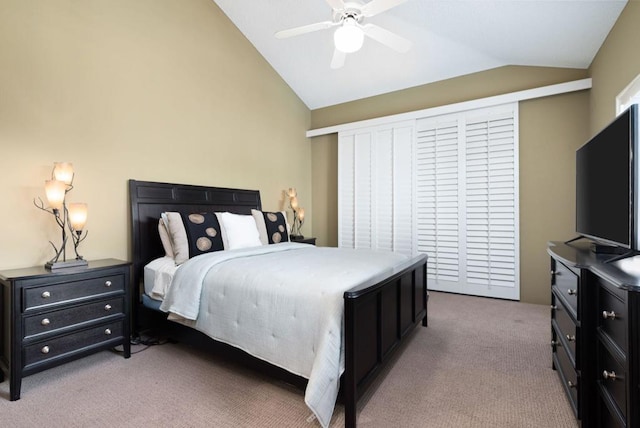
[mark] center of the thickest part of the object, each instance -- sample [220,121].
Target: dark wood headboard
[149,199]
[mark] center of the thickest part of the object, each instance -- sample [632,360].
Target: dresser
[595,327]
[50,318]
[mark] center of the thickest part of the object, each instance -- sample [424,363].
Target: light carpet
[480,363]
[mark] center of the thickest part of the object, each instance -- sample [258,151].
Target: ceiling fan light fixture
[349,37]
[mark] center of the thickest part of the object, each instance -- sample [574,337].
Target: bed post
[349,381]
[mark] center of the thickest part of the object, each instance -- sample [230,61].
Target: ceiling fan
[349,36]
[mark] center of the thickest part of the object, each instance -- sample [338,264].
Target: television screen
[605,181]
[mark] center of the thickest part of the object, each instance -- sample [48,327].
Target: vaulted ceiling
[449,38]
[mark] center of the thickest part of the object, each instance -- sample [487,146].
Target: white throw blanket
[282,303]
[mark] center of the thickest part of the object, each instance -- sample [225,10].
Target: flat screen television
[607,184]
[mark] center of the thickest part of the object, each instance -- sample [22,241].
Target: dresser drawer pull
[107,331]
[608,315]
[571,384]
[107,283]
[107,307]
[45,321]
[45,294]
[45,350]
[553,272]
[609,375]
[555,343]
[554,307]
[572,292]
[571,338]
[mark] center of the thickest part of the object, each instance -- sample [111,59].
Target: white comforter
[282,303]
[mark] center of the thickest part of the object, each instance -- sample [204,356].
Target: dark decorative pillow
[272,226]
[203,233]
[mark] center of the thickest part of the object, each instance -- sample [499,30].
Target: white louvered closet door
[375,181]
[467,201]
[492,238]
[438,193]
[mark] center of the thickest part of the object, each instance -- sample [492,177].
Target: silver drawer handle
[45,321]
[609,375]
[608,315]
[554,307]
[555,343]
[45,294]
[571,338]
[553,272]
[107,283]
[571,384]
[572,292]
[45,350]
[107,331]
[107,307]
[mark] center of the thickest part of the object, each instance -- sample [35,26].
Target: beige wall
[615,66]
[550,130]
[163,90]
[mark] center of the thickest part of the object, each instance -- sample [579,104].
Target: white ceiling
[450,38]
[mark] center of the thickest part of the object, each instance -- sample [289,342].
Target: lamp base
[66,265]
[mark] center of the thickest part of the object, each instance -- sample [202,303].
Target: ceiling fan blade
[283,34]
[387,38]
[336,4]
[338,59]
[378,6]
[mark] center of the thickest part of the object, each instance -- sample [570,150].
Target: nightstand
[50,318]
[311,241]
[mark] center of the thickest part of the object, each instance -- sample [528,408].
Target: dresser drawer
[606,419]
[611,378]
[56,321]
[567,285]
[611,314]
[72,343]
[567,373]
[37,297]
[566,328]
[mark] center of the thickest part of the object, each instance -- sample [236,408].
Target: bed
[378,312]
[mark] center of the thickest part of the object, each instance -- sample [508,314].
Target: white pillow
[240,231]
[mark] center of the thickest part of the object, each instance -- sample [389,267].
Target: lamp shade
[63,171]
[348,37]
[77,215]
[301,214]
[294,203]
[55,191]
[292,192]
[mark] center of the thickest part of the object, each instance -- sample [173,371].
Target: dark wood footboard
[378,316]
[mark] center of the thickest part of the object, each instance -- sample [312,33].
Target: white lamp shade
[63,171]
[77,215]
[55,191]
[301,214]
[348,37]
[294,203]
[292,192]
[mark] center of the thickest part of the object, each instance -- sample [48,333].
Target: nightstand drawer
[55,321]
[38,297]
[567,285]
[72,343]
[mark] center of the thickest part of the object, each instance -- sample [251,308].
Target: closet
[446,186]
